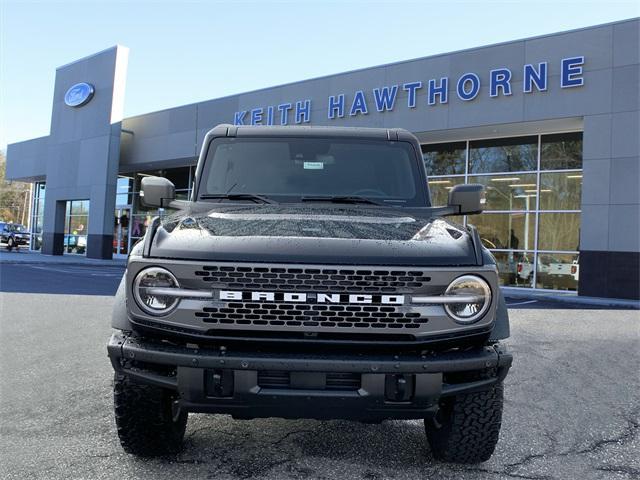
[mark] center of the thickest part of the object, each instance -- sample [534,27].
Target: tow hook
[175,410]
[399,387]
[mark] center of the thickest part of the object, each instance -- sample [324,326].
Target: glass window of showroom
[139,217]
[533,187]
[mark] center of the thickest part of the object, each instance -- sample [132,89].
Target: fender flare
[119,317]
[501,329]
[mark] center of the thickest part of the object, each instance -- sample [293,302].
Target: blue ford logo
[79,94]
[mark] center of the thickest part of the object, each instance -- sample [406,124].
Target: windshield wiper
[342,199]
[237,196]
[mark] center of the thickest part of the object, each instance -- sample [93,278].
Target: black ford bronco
[309,276]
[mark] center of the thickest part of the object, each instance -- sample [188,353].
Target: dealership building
[549,125]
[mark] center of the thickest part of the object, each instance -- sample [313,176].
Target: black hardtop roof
[393,134]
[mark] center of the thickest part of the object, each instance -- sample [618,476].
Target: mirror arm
[446,211]
[178,204]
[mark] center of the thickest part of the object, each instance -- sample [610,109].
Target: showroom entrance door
[121,231]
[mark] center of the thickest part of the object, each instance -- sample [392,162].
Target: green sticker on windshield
[313,165]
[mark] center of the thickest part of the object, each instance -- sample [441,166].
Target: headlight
[473,287]
[152,303]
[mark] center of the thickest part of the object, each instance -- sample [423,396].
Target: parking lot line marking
[76,271]
[522,303]
[49,269]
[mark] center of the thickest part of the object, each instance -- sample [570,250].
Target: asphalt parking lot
[60,279]
[572,407]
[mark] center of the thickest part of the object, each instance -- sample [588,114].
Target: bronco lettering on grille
[296,297]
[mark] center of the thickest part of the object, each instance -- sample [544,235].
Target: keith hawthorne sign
[535,78]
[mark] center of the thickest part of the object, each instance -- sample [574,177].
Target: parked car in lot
[13,235]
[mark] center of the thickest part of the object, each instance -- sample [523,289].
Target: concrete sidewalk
[29,257]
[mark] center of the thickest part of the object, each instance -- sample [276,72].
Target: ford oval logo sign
[79,94]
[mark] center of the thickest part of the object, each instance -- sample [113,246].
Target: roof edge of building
[386,65]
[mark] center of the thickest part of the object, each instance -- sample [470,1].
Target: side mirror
[157,192]
[466,199]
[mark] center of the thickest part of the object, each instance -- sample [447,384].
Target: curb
[571,298]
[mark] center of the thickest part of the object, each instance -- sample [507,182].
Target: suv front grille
[311,316]
[242,313]
[294,279]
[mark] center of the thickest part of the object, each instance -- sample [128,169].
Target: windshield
[291,169]
[16,228]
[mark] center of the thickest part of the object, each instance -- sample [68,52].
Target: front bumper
[232,382]
[20,241]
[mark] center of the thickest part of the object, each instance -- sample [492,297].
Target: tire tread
[144,419]
[471,431]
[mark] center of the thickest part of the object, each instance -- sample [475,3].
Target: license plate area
[333,381]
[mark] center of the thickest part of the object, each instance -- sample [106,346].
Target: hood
[321,234]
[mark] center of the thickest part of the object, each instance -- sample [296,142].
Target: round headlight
[476,303]
[152,303]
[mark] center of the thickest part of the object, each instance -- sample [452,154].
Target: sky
[188,51]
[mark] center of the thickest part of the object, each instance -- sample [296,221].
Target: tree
[14,197]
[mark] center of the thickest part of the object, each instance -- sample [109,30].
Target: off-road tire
[144,418]
[467,427]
